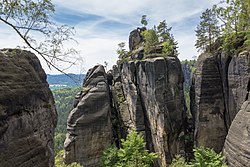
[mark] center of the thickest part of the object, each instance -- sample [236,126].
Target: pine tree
[164,35]
[121,51]
[235,16]
[207,31]
[151,40]
[132,153]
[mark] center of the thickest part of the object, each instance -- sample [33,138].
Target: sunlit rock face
[207,104]
[27,111]
[220,85]
[151,101]
[237,147]
[89,126]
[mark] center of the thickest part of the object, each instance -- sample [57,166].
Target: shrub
[59,162]
[203,157]
[132,153]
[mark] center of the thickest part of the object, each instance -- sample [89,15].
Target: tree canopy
[132,153]
[207,31]
[234,19]
[30,18]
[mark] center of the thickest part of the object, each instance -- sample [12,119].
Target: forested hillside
[64,99]
[62,80]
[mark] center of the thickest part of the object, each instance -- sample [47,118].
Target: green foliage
[207,31]
[121,51]
[189,62]
[59,162]
[203,157]
[165,37]
[207,158]
[132,153]
[144,20]
[247,40]
[179,161]
[29,17]
[168,49]
[64,101]
[151,40]
[110,157]
[163,31]
[235,16]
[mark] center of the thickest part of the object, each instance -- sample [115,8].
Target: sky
[101,24]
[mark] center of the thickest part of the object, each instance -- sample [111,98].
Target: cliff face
[207,104]
[88,124]
[153,103]
[220,86]
[237,147]
[187,73]
[27,112]
[145,95]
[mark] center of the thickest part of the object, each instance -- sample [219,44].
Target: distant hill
[62,80]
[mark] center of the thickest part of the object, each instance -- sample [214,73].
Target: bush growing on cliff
[233,16]
[151,40]
[132,153]
[59,162]
[203,157]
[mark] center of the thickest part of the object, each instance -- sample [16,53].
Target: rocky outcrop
[152,102]
[89,126]
[187,73]
[207,104]
[135,38]
[237,147]
[27,112]
[220,86]
[238,83]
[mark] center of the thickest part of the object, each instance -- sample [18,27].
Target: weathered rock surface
[135,38]
[27,112]
[89,126]
[220,86]
[237,144]
[187,73]
[152,102]
[238,82]
[207,104]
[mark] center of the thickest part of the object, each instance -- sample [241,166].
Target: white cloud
[98,43]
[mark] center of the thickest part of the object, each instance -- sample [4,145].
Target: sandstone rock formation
[88,126]
[220,86]
[237,147]
[152,102]
[27,112]
[238,83]
[207,104]
[187,73]
[135,38]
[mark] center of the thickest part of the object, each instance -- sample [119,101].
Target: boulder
[27,111]
[237,146]
[88,125]
[135,38]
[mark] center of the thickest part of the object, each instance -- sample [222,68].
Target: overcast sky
[102,24]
